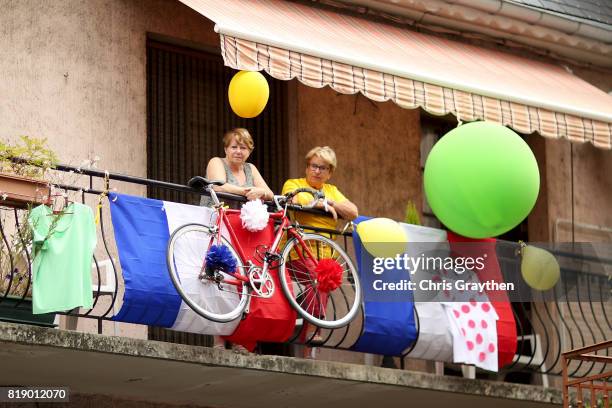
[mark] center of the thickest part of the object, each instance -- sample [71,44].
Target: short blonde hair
[242,136]
[325,153]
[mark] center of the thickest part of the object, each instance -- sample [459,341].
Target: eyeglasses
[315,167]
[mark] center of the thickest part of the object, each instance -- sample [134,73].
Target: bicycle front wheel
[316,303]
[186,258]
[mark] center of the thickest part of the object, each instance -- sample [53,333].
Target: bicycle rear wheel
[329,309]
[186,259]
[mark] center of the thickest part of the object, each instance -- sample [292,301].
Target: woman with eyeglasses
[320,165]
[240,177]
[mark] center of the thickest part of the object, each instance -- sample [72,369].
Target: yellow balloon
[248,93]
[539,268]
[382,237]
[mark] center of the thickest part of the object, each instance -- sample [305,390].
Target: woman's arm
[261,189]
[345,209]
[216,171]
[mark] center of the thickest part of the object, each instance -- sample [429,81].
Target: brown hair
[242,136]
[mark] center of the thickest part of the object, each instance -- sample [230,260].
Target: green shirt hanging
[63,251]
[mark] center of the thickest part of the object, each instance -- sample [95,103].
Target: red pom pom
[329,275]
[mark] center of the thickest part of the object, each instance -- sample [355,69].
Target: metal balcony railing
[544,328]
[595,387]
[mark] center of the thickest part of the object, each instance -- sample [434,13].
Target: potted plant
[22,186]
[15,282]
[22,181]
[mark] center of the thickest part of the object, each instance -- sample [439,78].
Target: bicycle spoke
[313,299]
[326,310]
[211,298]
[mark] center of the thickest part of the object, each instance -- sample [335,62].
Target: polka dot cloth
[474,331]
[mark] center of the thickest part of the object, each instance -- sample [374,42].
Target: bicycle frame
[285,225]
[301,252]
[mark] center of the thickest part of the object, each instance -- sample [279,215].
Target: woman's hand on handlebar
[318,202]
[290,196]
[326,206]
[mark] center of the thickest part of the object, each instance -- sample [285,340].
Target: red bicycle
[317,276]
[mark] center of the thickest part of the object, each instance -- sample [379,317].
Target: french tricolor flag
[142,228]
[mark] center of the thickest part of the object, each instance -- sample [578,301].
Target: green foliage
[35,151]
[412,214]
[16,247]
[599,403]
[14,268]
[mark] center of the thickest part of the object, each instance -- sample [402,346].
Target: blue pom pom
[220,258]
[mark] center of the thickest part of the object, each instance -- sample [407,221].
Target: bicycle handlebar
[315,193]
[278,199]
[203,184]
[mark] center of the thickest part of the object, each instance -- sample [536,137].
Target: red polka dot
[486,307]
[473,302]
[436,279]
[446,293]
[456,312]
[479,338]
[482,356]
[472,324]
[463,331]
[484,324]
[491,347]
[470,345]
[465,309]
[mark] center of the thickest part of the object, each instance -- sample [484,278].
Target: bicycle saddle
[200,183]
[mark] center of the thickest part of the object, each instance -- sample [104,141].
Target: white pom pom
[254,215]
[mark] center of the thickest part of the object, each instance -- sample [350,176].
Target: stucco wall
[377,145]
[74,73]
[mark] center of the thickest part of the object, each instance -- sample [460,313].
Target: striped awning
[320,47]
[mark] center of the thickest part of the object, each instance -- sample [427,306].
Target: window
[188,113]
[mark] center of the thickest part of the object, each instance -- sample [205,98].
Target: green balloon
[481,180]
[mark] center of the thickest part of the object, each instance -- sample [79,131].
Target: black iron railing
[544,328]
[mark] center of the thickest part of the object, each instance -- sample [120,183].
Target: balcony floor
[169,373]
